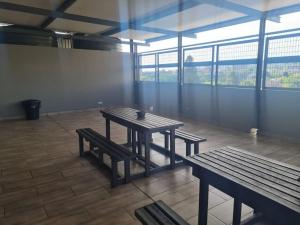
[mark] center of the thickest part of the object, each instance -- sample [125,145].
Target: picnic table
[270,187]
[142,130]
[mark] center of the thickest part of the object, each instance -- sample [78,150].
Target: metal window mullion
[265,63]
[156,67]
[259,69]
[183,66]
[217,65]
[212,66]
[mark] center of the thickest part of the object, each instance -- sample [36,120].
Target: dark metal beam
[45,12]
[106,39]
[160,31]
[62,8]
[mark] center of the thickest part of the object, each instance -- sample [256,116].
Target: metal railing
[230,62]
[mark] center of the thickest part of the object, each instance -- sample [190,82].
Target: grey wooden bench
[187,137]
[158,213]
[99,146]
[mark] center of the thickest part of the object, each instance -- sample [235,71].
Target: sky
[288,21]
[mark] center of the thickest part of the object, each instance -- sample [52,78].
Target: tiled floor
[43,180]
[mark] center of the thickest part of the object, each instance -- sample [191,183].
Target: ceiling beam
[62,8]
[161,31]
[59,13]
[213,26]
[232,6]
[45,12]
[106,39]
[158,14]
[283,10]
[271,13]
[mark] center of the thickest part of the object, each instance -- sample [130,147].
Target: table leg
[172,148]
[129,136]
[188,148]
[107,122]
[81,147]
[140,137]
[196,148]
[134,141]
[203,202]
[166,141]
[147,153]
[237,209]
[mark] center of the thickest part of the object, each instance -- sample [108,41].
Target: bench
[99,146]
[158,213]
[187,137]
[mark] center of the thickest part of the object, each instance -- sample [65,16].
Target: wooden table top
[270,178]
[150,122]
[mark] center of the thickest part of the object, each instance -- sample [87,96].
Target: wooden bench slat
[240,161]
[119,147]
[120,153]
[259,164]
[171,213]
[256,175]
[285,165]
[231,173]
[100,144]
[159,213]
[246,184]
[263,160]
[145,217]
[186,136]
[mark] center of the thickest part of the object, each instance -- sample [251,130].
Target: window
[237,75]
[147,60]
[147,74]
[283,62]
[198,65]
[168,74]
[237,64]
[168,66]
[147,67]
[197,74]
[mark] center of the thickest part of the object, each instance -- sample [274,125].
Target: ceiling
[128,18]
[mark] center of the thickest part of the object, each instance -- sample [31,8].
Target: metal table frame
[143,134]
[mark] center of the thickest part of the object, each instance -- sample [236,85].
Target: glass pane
[147,60]
[147,74]
[168,74]
[283,75]
[237,75]
[284,47]
[238,51]
[169,57]
[198,55]
[197,75]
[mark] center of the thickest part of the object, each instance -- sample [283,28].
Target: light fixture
[5,24]
[62,33]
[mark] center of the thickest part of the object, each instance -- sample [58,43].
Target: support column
[134,58]
[259,70]
[180,74]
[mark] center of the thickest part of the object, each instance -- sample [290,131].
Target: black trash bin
[32,109]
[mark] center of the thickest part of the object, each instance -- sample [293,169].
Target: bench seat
[189,139]
[158,213]
[99,145]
